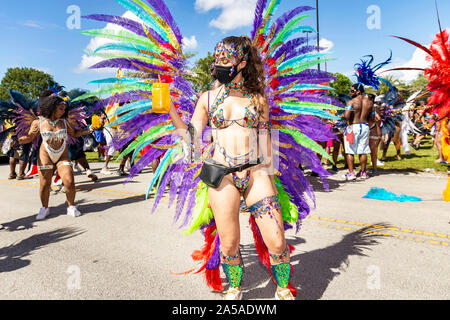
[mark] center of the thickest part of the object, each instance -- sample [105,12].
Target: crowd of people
[218,146]
[361,131]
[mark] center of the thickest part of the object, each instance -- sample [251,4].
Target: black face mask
[224,74]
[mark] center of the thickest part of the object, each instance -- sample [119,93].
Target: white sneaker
[285,294]
[73,211]
[106,171]
[380,163]
[233,294]
[43,213]
[128,166]
[77,168]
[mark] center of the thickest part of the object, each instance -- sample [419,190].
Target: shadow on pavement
[313,271]
[12,256]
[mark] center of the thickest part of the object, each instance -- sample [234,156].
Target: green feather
[305,65]
[110,89]
[315,105]
[120,36]
[289,210]
[305,141]
[290,25]
[202,215]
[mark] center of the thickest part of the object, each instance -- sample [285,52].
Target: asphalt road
[348,248]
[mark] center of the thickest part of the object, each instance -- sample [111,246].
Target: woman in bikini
[374,134]
[54,128]
[238,113]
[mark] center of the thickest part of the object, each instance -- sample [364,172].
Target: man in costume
[357,133]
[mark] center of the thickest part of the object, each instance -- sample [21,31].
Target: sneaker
[350,176]
[106,171]
[285,294]
[43,213]
[32,172]
[364,175]
[334,169]
[380,163]
[121,172]
[128,166]
[233,294]
[55,188]
[373,172]
[77,168]
[73,211]
[91,176]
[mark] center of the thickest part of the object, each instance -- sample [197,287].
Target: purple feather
[214,261]
[161,9]
[286,17]
[260,6]
[125,63]
[125,23]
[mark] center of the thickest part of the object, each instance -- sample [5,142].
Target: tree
[200,77]
[30,82]
[341,85]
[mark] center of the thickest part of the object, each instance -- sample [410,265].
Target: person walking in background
[357,133]
[374,133]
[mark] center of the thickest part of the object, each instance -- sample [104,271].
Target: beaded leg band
[265,206]
[232,271]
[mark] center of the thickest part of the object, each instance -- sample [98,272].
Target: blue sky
[34,33]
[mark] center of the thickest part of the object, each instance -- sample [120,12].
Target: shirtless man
[357,133]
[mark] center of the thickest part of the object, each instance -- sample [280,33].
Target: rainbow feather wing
[298,103]
[151,48]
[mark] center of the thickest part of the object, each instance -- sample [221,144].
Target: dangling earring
[231,71]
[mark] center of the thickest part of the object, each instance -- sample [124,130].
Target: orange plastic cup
[161,98]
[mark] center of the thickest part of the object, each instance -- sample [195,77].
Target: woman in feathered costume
[268,98]
[54,125]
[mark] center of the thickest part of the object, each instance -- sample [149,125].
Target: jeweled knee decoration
[280,257]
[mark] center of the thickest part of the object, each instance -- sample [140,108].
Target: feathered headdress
[366,73]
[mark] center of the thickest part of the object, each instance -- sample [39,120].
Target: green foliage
[406,90]
[30,82]
[200,77]
[341,85]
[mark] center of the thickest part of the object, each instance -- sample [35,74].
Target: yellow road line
[403,230]
[395,236]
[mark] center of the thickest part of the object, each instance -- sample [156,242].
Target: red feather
[418,45]
[438,74]
[213,279]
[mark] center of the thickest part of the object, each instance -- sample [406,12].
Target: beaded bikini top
[216,116]
[54,137]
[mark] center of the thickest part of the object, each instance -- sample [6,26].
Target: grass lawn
[419,160]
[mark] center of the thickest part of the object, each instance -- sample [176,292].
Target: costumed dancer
[16,153]
[55,125]
[76,149]
[261,98]
[438,76]
[367,75]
